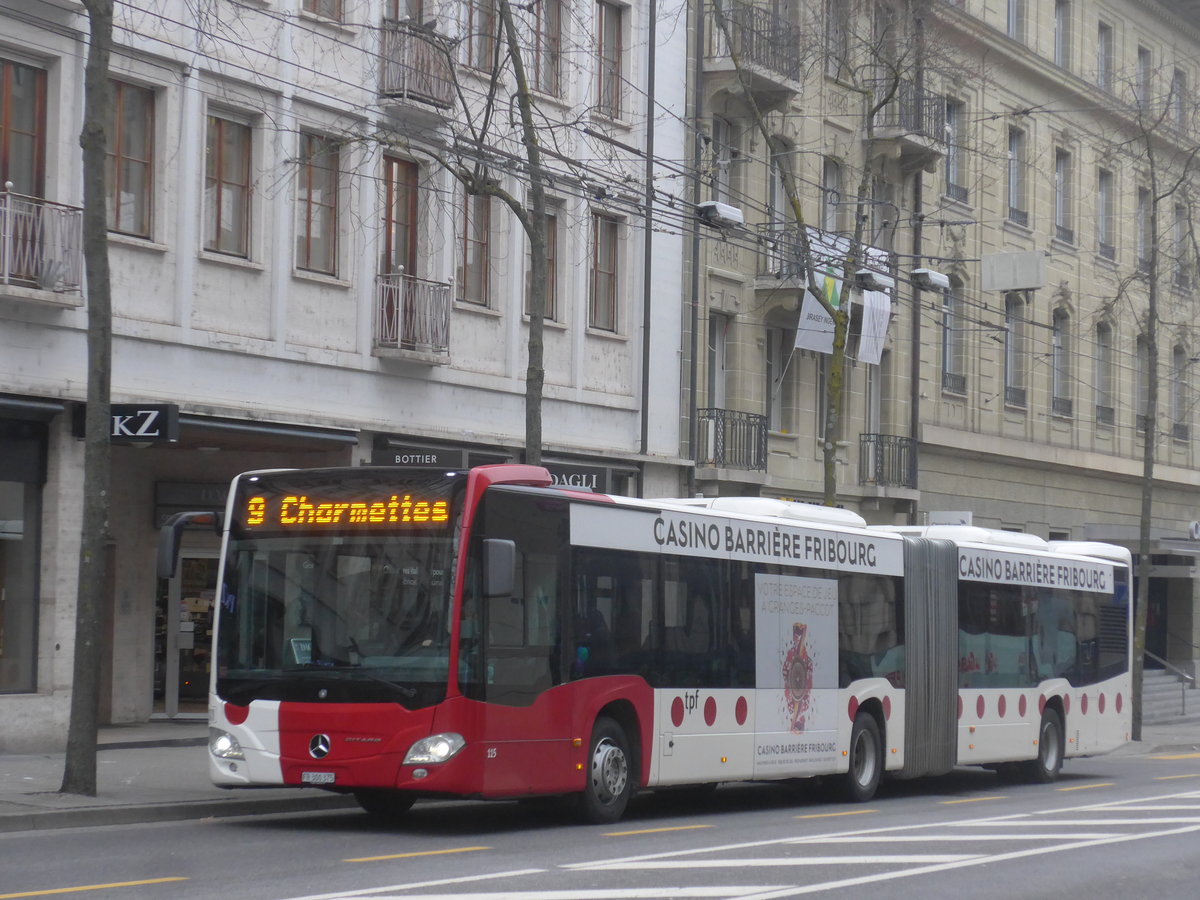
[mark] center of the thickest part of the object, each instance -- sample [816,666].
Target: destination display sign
[342,504]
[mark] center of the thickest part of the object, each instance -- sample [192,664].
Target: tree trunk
[79,774]
[535,228]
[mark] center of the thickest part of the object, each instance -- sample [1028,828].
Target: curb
[46,820]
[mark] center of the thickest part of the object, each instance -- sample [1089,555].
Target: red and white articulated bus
[400,634]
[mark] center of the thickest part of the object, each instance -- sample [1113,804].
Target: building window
[1145,74]
[316,205]
[609,89]
[954,345]
[602,299]
[475,252]
[547,46]
[481,34]
[1143,228]
[129,162]
[22,128]
[1062,33]
[1064,228]
[725,154]
[718,335]
[1177,103]
[831,194]
[778,403]
[399,216]
[1014,350]
[227,187]
[22,471]
[329,9]
[1105,231]
[1015,20]
[1180,393]
[1105,409]
[837,38]
[1179,239]
[1143,382]
[1016,177]
[1060,364]
[551,233]
[1104,56]
[955,176]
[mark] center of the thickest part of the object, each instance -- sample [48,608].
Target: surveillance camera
[720,215]
[930,280]
[873,281]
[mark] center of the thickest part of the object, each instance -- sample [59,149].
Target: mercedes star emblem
[318,747]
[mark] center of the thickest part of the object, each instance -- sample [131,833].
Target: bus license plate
[316,777]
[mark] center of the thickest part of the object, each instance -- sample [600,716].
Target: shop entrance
[183,629]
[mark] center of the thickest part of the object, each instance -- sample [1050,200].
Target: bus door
[183,636]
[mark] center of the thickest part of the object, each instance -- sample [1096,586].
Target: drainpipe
[648,252]
[697,145]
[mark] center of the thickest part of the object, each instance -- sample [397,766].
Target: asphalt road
[1120,826]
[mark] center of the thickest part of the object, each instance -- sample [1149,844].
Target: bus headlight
[224,745]
[434,749]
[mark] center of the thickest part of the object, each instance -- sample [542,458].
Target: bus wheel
[866,759]
[384,804]
[1046,766]
[609,781]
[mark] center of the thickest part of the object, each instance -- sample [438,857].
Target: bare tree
[79,775]
[500,137]
[1160,147]
[877,51]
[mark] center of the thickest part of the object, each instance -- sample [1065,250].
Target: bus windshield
[330,595]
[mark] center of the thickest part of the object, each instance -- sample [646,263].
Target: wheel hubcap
[864,760]
[610,771]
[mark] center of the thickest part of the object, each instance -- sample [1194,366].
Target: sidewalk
[154,772]
[157,772]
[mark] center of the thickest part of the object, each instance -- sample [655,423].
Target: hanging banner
[815,330]
[876,313]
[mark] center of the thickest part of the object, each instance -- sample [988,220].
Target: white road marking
[783,861]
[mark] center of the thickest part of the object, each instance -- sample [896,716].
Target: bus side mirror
[499,567]
[171,532]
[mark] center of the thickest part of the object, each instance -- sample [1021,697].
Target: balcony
[415,66]
[913,121]
[780,254]
[41,251]
[887,460]
[728,439]
[767,46]
[412,321]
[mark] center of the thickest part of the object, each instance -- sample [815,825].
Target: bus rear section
[1042,633]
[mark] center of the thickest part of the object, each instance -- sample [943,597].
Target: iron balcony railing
[732,440]
[413,314]
[887,460]
[415,64]
[760,38]
[41,243]
[911,109]
[781,253]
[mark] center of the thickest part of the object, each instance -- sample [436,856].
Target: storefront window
[21,460]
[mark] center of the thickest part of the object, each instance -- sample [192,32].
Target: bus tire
[1044,768]
[866,760]
[384,804]
[610,779]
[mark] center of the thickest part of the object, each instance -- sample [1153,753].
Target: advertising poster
[796,637]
